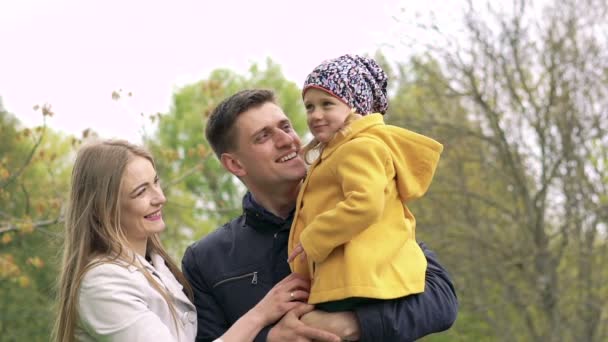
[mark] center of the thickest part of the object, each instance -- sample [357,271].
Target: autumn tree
[202,194]
[527,205]
[34,171]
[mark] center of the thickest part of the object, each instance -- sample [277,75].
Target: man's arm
[211,321]
[403,319]
[412,317]
[291,328]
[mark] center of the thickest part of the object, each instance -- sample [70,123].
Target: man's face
[267,153]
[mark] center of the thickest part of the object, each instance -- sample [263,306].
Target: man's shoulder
[218,237]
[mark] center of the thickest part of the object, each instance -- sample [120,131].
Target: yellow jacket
[351,218]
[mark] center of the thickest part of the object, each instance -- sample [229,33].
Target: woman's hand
[284,296]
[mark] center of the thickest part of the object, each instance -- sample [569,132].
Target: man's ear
[232,164]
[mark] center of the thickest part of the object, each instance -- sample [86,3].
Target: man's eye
[261,137]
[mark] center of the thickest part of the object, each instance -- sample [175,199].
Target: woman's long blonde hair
[92,227]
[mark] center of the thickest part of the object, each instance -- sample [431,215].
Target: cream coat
[117,303]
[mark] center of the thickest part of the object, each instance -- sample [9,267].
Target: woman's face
[141,201]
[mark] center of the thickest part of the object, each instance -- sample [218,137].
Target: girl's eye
[141,192]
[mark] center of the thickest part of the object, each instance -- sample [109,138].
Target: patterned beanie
[357,81]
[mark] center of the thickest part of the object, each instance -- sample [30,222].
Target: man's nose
[283,138]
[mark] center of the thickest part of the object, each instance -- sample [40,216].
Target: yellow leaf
[7,238]
[40,208]
[26,227]
[202,151]
[8,268]
[4,174]
[36,262]
[24,281]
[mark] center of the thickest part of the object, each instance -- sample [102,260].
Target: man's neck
[279,201]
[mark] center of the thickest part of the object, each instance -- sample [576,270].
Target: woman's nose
[159,197]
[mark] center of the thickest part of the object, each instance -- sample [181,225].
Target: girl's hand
[297,251]
[284,296]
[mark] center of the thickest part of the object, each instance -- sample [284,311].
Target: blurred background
[517,91]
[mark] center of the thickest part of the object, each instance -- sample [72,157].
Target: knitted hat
[357,81]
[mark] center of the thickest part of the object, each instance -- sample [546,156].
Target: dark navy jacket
[232,268]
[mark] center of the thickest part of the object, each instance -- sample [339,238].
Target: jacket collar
[352,130]
[262,220]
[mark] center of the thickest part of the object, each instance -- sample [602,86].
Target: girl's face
[325,114]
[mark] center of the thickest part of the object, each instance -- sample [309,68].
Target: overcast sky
[72,54]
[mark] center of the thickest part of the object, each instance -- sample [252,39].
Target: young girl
[352,230]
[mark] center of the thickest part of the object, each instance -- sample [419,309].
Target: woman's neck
[139,246]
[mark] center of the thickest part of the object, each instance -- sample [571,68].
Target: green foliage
[35,164]
[202,195]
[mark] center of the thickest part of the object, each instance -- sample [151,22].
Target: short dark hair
[220,129]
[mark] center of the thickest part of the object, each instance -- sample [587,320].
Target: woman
[117,283]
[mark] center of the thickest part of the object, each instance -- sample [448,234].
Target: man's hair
[220,130]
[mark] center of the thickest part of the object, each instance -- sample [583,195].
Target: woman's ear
[232,164]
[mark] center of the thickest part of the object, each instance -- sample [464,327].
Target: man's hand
[343,324]
[290,328]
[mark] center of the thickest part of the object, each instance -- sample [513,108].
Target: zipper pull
[254,281]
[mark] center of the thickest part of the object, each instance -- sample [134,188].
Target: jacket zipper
[254,279]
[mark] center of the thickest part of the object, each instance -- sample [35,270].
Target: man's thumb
[302,309]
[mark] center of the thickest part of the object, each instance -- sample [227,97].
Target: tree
[534,83]
[203,195]
[34,172]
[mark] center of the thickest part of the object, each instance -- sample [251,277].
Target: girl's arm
[361,170]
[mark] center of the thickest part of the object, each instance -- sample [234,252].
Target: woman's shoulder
[103,270]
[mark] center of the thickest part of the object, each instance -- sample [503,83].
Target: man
[235,266]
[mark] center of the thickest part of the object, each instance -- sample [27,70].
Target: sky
[73,54]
